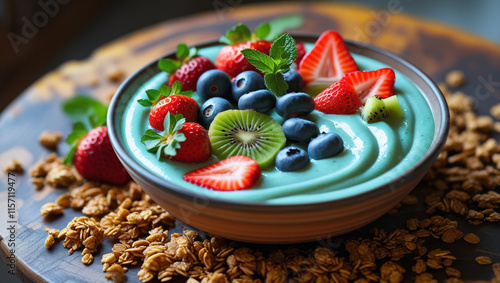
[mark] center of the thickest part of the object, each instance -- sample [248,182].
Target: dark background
[73,29]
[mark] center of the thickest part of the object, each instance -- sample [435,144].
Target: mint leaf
[168,65]
[263,30]
[284,47]
[282,24]
[260,60]
[276,83]
[73,139]
[182,51]
[85,110]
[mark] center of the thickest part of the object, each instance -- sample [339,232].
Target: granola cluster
[463,182]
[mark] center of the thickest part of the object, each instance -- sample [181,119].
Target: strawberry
[181,141]
[230,174]
[95,158]
[301,52]
[372,83]
[230,59]
[186,68]
[168,100]
[328,61]
[339,98]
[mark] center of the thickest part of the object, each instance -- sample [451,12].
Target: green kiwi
[246,132]
[374,110]
[392,104]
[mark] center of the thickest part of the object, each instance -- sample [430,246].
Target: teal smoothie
[374,154]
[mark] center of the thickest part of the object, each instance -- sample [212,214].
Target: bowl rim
[356,47]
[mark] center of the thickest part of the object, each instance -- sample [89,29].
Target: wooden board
[434,48]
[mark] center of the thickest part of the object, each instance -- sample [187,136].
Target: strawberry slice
[328,61]
[230,174]
[339,98]
[372,83]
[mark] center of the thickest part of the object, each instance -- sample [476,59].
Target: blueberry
[300,129]
[294,104]
[259,100]
[291,159]
[214,83]
[325,145]
[246,82]
[294,80]
[211,108]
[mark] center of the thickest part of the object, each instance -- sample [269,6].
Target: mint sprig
[167,142]
[155,95]
[282,54]
[86,113]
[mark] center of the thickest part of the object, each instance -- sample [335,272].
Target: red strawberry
[95,158]
[231,174]
[230,59]
[181,141]
[187,68]
[372,83]
[339,98]
[168,100]
[301,52]
[328,61]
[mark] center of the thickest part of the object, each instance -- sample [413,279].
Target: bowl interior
[357,173]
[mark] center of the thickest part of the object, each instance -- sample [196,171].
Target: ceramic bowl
[263,221]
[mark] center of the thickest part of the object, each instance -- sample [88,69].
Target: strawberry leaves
[167,142]
[183,54]
[282,54]
[86,114]
[155,95]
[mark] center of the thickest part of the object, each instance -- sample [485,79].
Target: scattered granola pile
[462,182]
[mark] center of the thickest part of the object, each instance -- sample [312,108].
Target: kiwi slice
[374,110]
[246,132]
[392,104]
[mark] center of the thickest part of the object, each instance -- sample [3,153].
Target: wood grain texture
[434,48]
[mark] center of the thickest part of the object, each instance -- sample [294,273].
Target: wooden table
[434,48]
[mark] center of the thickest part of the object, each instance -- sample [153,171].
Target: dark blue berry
[260,100]
[325,145]
[294,104]
[300,129]
[211,108]
[246,82]
[294,80]
[214,83]
[291,159]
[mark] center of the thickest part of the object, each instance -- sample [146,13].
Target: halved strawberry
[339,98]
[181,141]
[328,61]
[372,83]
[186,68]
[167,100]
[230,174]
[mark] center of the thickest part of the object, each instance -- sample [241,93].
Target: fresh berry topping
[211,108]
[298,129]
[186,68]
[230,174]
[260,100]
[339,98]
[328,61]
[231,61]
[246,82]
[372,83]
[294,81]
[301,52]
[291,159]
[294,104]
[325,145]
[95,158]
[181,141]
[214,83]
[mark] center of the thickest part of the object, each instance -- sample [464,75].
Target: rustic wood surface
[434,48]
